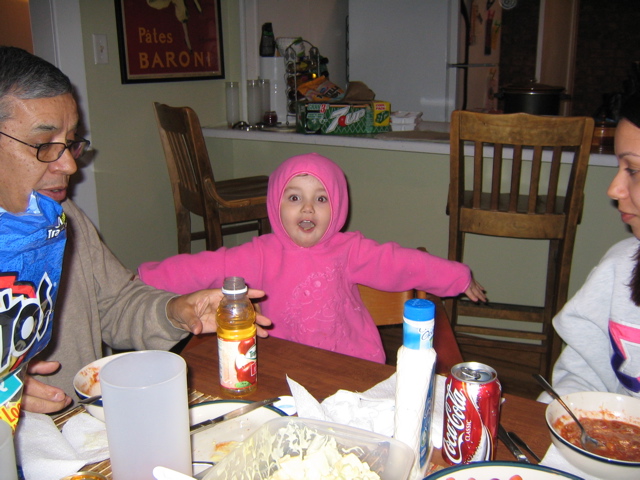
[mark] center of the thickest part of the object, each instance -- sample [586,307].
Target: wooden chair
[387,308]
[227,206]
[512,204]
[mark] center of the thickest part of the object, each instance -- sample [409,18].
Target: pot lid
[532,87]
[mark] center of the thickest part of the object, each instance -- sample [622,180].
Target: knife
[522,444]
[510,444]
[198,427]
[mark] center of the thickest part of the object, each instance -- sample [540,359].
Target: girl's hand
[476,292]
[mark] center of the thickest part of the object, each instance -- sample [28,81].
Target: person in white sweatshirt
[601,323]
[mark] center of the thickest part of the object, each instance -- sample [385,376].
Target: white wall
[57,37]
[401,50]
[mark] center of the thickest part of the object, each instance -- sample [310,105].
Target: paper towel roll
[414,379]
[272,69]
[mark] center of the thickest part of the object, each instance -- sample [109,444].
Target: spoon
[90,400]
[587,441]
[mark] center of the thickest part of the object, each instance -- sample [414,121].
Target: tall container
[272,68]
[415,383]
[237,352]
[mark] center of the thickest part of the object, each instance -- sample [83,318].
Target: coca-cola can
[471,413]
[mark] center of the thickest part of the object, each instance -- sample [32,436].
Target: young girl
[310,270]
[601,323]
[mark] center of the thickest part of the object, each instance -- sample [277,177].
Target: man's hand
[38,397]
[196,312]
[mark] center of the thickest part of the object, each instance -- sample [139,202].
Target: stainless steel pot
[532,97]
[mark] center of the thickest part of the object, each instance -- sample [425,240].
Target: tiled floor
[514,381]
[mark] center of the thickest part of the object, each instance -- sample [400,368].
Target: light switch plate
[100,50]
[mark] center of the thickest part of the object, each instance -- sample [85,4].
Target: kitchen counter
[434,140]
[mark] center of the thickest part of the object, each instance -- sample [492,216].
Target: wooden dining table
[323,373]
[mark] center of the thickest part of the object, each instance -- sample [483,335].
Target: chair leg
[264,226]
[213,231]
[183,221]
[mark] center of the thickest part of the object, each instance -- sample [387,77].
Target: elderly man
[99,301]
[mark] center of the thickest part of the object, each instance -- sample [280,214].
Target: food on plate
[323,461]
[620,440]
[297,451]
[221,449]
[92,377]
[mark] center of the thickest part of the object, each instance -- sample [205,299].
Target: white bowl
[86,383]
[500,470]
[600,405]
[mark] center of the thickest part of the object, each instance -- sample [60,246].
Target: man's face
[35,122]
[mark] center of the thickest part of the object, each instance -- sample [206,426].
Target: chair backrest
[531,187]
[387,308]
[507,198]
[186,155]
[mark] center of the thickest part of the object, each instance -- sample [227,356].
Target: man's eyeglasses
[52,151]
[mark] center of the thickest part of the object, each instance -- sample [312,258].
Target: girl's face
[305,210]
[625,187]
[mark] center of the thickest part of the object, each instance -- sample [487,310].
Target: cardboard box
[343,118]
[355,113]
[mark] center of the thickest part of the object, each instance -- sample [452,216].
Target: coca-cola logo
[455,404]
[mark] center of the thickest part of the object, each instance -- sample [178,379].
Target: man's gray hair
[25,76]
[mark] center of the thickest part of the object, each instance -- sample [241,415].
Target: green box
[343,118]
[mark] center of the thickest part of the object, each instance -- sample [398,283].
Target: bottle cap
[234,286]
[418,324]
[419,310]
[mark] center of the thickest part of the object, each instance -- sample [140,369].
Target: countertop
[434,140]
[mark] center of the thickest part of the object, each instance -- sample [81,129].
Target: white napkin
[373,410]
[45,453]
[554,459]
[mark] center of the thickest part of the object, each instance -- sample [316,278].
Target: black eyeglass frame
[66,146]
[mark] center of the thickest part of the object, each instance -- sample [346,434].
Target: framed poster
[169,40]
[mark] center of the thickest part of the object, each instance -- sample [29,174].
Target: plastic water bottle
[237,352]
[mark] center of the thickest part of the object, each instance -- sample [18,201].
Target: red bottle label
[238,365]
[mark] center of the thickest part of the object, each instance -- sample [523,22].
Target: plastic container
[255,457]
[237,352]
[405,118]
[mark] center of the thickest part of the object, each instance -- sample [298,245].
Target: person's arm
[406,268]
[583,324]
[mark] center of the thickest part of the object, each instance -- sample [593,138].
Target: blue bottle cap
[419,310]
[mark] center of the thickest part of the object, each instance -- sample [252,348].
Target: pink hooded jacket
[312,294]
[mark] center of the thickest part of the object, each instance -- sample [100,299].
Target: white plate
[205,443]
[500,471]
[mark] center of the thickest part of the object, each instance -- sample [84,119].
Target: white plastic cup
[8,468]
[232,91]
[254,102]
[146,411]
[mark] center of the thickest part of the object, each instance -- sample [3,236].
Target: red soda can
[471,413]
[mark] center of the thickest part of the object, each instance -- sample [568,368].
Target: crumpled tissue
[373,410]
[44,452]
